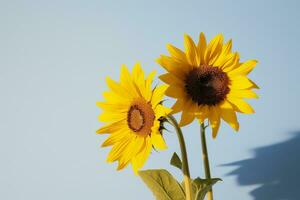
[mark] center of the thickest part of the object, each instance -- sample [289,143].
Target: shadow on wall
[276,168]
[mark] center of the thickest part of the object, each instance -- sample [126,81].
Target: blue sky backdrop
[55,55]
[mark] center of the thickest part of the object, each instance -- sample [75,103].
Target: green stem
[205,159]
[185,164]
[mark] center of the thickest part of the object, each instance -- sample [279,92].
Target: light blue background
[55,54]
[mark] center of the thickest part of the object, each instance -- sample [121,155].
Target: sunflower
[208,81]
[133,114]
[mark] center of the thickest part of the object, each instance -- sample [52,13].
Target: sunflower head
[133,114]
[209,81]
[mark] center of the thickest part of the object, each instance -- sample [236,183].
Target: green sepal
[163,185]
[176,161]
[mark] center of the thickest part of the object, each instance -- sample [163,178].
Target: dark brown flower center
[140,117]
[207,85]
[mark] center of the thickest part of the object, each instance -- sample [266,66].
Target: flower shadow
[275,168]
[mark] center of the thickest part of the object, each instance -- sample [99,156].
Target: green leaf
[202,186]
[175,161]
[163,185]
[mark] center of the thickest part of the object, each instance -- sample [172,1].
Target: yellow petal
[149,81]
[112,116]
[228,115]
[139,160]
[172,66]
[122,165]
[226,49]
[188,112]
[202,113]
[191,51]
[139,81]
[112,106]
[158,94]
[221,59]
[214,48]
[186,118]
[232,63]
[158,141]
[177,54]
[254,85]
[224,59]
[115,137]
[201,47]
[240,82]
[175,91]
[114,98]
[137,72]
[113,127]
[240,105]
[243,94]
[127,82]
[178,106]
[117,88]
[118,149]
[134,146]
[171,79]
[244,69]
[161,110]
[214,120]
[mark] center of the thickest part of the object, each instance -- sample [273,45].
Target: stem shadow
[276,168]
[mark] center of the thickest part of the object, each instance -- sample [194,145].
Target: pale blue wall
[55,54]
